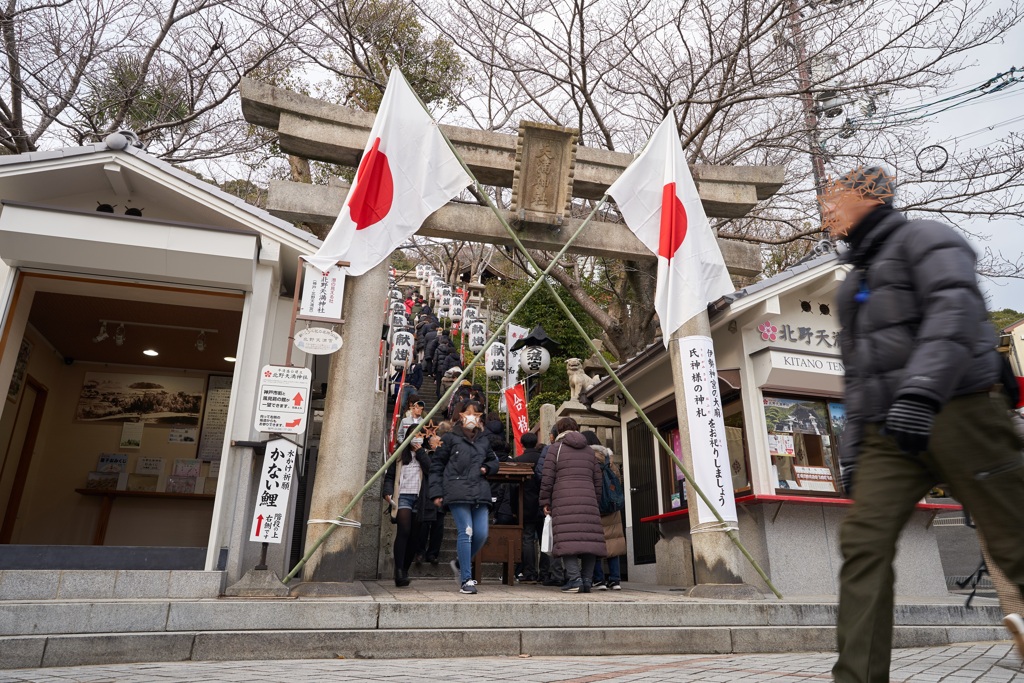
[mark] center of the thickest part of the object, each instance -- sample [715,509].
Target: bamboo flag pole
[625,392]
[542,279]
[437,406]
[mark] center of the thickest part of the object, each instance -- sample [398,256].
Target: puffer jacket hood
[574,439]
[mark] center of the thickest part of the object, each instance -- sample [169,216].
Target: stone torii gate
[322,131]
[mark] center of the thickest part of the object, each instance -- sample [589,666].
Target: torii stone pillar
[318,130]
[349,420]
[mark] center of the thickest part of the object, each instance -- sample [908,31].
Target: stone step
[100,584]
[432,620]
[449,610]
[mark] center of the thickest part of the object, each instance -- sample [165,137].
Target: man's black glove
[846,477]
[910,422]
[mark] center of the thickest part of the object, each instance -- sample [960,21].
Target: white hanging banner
[707,429]
[322,292]
[272,495]
[514,334]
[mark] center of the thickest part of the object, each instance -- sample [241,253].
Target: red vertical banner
[515,399]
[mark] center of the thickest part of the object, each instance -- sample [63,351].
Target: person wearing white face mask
[411,509]
[458,482]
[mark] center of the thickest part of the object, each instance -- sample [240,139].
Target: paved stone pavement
[988,662]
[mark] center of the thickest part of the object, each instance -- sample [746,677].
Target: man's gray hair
[874,182]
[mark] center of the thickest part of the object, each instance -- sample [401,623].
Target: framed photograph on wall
[20,370]
[152,399]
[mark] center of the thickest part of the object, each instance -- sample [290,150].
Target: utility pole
[803,68]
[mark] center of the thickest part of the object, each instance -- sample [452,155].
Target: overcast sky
[1007,235]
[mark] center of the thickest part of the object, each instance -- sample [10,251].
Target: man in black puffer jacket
[923,401]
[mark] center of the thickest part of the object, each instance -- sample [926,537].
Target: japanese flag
[407,172]
[659,202]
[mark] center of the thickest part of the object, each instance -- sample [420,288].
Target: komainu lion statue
[579,381]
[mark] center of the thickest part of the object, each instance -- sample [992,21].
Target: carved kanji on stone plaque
[545,164]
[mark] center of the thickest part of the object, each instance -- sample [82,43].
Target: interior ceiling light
[230,359]
[151,352]
[201,341]
[103,333]
[119,335]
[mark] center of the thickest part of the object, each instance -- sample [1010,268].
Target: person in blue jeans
[614,578]
[458,482]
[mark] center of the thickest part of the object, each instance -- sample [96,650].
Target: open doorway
[114,440]
[17,459]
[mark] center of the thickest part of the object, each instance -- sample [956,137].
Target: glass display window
[804,437]
[736,441]
[673,482]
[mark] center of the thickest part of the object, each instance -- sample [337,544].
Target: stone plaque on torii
[318,130]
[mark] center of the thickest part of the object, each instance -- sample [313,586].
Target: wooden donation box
[505,541]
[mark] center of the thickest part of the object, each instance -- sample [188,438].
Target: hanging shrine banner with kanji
[707,429]
[515,399]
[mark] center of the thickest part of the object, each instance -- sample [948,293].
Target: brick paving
[988,662]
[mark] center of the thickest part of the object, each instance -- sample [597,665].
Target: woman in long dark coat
[569,491]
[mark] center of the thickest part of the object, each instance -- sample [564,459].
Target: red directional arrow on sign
[259,523]
[298,399]
[293,423]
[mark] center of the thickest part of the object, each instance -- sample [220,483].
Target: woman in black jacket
[457,481]
[409,509]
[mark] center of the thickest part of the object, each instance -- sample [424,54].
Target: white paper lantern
[494,360]
[399,320]
[401,350]
[395,294]
[469,313]
[534,360]
[446,304]
[456,311]
[398,307]
[477,335]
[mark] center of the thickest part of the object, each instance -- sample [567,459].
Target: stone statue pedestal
[598,415]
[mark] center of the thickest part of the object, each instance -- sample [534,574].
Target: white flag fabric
[659,202]
[407,173]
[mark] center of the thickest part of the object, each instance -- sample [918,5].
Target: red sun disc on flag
[374,191]
[673,222]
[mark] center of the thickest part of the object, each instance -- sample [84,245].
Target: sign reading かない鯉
[273,492]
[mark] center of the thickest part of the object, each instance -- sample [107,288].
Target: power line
[997,84]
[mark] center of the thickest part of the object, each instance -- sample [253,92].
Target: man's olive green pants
[974,449]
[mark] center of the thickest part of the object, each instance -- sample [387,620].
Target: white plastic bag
[547,537]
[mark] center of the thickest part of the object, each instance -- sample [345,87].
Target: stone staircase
[65,622]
